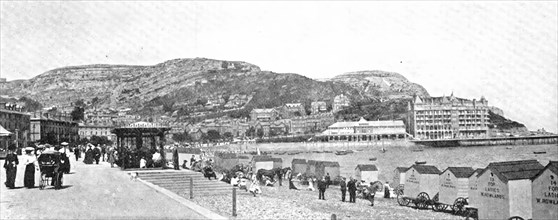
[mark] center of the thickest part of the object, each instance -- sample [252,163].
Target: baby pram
[51,172]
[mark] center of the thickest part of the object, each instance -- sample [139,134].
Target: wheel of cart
[43,181]
[515,218]
[440,207]
[423,201]
[399,189]
[458,207]
[402,200]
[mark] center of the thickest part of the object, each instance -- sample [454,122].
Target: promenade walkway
[89,192]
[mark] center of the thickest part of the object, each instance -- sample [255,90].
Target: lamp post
[16,138]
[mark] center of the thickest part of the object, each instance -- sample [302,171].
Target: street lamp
[16,138]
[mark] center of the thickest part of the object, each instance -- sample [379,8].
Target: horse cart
[51,169]
[422,181]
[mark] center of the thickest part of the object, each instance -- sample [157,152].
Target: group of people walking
[369,192]
[95,154]
[30,161]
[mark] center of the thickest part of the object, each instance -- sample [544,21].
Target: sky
[504,51]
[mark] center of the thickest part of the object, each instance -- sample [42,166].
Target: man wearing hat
[31,164]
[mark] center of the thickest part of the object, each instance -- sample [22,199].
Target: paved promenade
[89,192]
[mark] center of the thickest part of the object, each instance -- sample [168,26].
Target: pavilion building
[364,130]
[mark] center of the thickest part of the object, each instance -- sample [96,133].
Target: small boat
[420,162]
[416,150]
[343,152]
[539,152]
[509,148]
[372,159]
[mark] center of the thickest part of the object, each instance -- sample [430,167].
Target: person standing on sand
[352,190]
[343,186]
[311,184]
[387,188]
[327,180]
[371,193]
[322,186]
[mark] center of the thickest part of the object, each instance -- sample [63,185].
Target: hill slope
[182,82]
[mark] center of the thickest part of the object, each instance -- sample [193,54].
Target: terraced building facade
[447,117]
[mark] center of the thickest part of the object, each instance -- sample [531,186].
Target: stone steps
[179,182]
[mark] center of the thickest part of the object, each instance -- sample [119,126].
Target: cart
[50,168]
[422,181]
[454,190]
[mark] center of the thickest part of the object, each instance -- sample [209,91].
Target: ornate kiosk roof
[140,128]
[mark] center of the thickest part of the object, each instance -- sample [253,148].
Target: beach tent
[454,184]
[473,189]
[422,178]
[398,177]
[545,192]
[332,168]
[366,172]
[299,166]
[263,162]
[311,168]
[324,167]
[504,189]
[277,162]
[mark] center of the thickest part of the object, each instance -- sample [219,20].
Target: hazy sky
[506,51]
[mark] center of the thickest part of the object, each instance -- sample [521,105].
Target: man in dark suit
[343,186]
[352,190]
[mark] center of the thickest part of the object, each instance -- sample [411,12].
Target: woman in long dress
[31,164]
[111,156]
[10,164]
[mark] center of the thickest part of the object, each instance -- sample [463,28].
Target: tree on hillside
[201,101]
[228,135]
[226,97]
[260,133]
[79,103]
[251,132]
[182,137]
[78,113]
[94,100]
[213,135]
[30,104]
